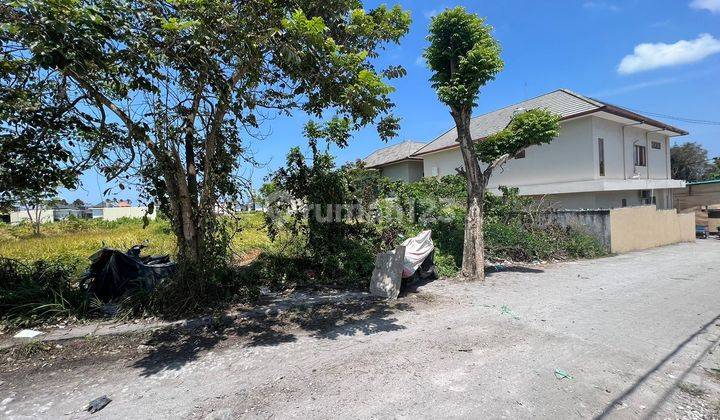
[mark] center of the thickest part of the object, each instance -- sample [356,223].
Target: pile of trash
[114,273]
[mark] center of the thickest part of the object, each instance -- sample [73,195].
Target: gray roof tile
[393,153]
[562,102]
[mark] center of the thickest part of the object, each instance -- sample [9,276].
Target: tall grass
[40,275]
[74,240]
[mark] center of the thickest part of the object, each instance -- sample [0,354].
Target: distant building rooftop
[393,154]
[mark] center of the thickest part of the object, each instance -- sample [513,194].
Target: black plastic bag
[114,273]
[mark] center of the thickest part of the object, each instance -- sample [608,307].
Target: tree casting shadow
[171,349]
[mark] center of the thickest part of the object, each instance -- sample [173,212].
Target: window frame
[640,155]
[601,156]
[655,145]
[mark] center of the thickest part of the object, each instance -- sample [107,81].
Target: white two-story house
[604,157]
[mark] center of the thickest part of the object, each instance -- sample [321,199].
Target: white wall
[114,213]
[20,216]
[569,157]
[408,171]
[415,171]
[604,199]
[612,133]
[572,156]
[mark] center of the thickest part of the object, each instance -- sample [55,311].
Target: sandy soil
[637,335]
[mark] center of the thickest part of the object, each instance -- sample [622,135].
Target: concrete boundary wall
[636,228]
[629,228]
[593,222]
[114,213]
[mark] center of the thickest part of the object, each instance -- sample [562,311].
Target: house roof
[564,102]
[394,153]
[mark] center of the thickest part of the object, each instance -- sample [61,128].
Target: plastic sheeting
[113,273]
[417,249]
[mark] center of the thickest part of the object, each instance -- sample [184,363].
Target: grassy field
[74,241]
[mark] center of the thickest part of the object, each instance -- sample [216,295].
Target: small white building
[604,157]
[106,210]
[113,210]
[396,161]
[20,215]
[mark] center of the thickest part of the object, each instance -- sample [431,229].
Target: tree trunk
[183,213]
[473,262]
[34,221]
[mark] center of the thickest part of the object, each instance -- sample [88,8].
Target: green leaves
[529,128]
[312,30]
[173,92]
[175,24]
[462,55]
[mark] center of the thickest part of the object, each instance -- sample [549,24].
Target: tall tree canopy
[714,172]
[463,56]
[175,90]
[689,161]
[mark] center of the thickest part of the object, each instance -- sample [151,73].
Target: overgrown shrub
[39,291]
[315,241]
[41,282]
[342,251]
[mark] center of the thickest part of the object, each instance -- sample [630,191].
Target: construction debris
[98,404]
[28,334]
[387,275]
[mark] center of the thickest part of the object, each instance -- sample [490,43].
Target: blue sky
[669,50]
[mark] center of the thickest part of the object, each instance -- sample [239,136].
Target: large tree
[37,126]
[463,56]
[714,172]
[180,87]
[689,161]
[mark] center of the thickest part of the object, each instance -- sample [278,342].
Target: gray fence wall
[594,222]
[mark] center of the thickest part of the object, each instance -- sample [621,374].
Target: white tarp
[417,249]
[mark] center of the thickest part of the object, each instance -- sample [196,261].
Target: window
[656,145]
[520,154]
[640,156]
[601,156]
[624,202]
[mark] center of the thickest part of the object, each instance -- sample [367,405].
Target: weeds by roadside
[692,389]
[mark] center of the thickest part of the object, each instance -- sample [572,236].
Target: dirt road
[636,335]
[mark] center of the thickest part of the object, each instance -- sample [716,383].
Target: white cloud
[713,6]
[429,14]
[684,77]
[652,56]
[631,88]
[601,5]
[420,61]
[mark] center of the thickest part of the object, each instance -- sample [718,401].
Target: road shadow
[495,269]
[412,287]
[171,349]
[669,392]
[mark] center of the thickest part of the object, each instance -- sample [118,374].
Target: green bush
[342,252]
[39,291]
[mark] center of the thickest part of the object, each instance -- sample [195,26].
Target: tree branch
[190,167]
[103,100]
[216,122]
